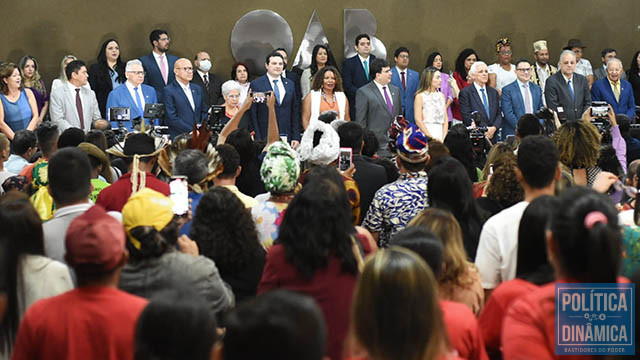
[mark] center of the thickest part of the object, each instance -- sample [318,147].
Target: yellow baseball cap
[147,207]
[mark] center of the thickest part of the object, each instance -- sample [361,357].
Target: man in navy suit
[287,106]
[184,102]
[159,65]
[482,99]
[614,90]
[133,94]
[519,98]
[406,80]
[356,71]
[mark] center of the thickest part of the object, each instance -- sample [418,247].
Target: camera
[545,115]
[214,121]
[600,109]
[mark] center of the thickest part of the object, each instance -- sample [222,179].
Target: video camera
[547,121]
[214,121]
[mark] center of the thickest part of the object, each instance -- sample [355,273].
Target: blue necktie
[366,69]
[276,91]
[573,96]
[485,102]
[138,102]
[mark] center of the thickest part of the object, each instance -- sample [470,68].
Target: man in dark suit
[601,71]
[616,92]
[184,102]
[291,75]
[567,93]
[159,65]
[519,98]
[369,176]
[210,83]
[406,80]
[378,103]
[356,71]
[287,106]
[481,99]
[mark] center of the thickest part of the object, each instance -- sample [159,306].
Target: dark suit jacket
[179,114]
[287,113]
[353,78]
[601,91]
[370,177]
[293,76]
[556,93]
[153,76]
[372,112]
[512,105]
[470,101]
[213,96]
[412,79]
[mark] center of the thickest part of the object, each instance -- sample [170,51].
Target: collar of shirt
[202,74]
[478,87]
[408,175]
[157,57]
[73,88]
[380,87]
[617,83]
[271,78]
[520,83]
[545,69]
[406,72]
[64,211]
[566,79]
[130,86]
[186,88]
[362,60]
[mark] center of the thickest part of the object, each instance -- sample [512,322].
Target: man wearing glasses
[158,64]
[133,94]
[518,98]
[183,102]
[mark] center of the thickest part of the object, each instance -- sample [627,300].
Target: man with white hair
[133,94]
[482,100]
[616,91]
[567,93]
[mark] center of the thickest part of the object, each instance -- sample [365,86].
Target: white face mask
[205,65]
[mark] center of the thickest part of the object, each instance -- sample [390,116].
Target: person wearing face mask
[107,74]
[210,83]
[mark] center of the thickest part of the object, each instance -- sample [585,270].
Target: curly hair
[318,79]
[504,187]
[224,230]
[578,143]
[495,152]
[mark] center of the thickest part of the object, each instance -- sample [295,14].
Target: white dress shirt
[281,89]
[133,93]
[368,60]
[187,91]
[382,91]
[160,66]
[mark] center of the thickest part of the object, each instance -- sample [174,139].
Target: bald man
[210,83]
[184,102]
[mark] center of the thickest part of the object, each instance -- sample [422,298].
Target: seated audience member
[155,263]
[290,327]
[95,319]
[518,98]
[496,151]
[461,324]
[321,56]
[583,66]
[316,253]
[533,270]
[140,154]
[24,146]
[280,171]
[608,161]
[231,170]
[370,147]
[436,151]
[32,79]
[397,284]
[461,75]
[62,78]
[71,137]
[240,74]
[605,56]
[482,100]
[192,333]
[633,75]
[225,233]
[568,90]
[69,173]
[210,83]
[461,148]
[5,151]
[395,204]
[537,172]
[502,72]
[100,169]
[194,165]
[30,276]
[503,189]
[528,124]
[451,190]
[133,94]
[74,105]
[583,247]
[107,74]
[615,90]
[430,105]
[633,144]
[183,101]
[326,94]
[18,108]
[448,87]
[47,140]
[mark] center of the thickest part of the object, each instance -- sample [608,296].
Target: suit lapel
[377,93]
[69,96]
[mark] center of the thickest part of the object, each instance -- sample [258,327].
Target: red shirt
[113,197]
[455,107]
[462,330]
[85,323]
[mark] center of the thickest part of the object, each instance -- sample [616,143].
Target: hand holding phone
[345,159]
[179,195]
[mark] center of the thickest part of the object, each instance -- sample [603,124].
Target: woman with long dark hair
[240,74]
[321,56]
[107,74]
[327,94]
[465,59]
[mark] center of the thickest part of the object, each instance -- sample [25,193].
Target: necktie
[138,102]
[388,100]
[366,69]
[276,91]
[163,69]
[404,81]
[485,102]
[616,90]
[573,96]
[206,82]
[527,99]
[79,108]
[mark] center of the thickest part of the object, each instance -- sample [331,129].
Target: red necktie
[404,82]
[79,108]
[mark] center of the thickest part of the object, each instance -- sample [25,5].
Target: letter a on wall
[313,36]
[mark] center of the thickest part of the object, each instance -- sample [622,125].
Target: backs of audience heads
[371,144]
[528,124]
[47,136]
[395,311]
[533,264]
[437,150]
[538,161]
[23,140]
[97,138]
[460,147]
[578,143]
[193,164]
[280,325]
[69,176]
[504,187]
[351,136]
[71,137]
[230,161]
[424,243]
[495,152]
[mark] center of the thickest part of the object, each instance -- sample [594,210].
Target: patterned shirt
[395,204]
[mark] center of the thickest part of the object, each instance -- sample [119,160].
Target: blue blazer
[353,78]
[153,76]
[470,102]
[513,105]
[178,112]
[287,113]
[601,91]
[412,78]
[121,97]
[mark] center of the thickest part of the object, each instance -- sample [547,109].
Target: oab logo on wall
[595,319]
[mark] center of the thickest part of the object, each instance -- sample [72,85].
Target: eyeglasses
[187,69]
[402,56]
[506,53]
[137,72]
[524,70]
[165,39]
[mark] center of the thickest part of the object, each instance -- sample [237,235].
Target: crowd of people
[367,211]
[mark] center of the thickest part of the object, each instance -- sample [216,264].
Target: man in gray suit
[74,105]
[606,55]
[567,93]
[378,103]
